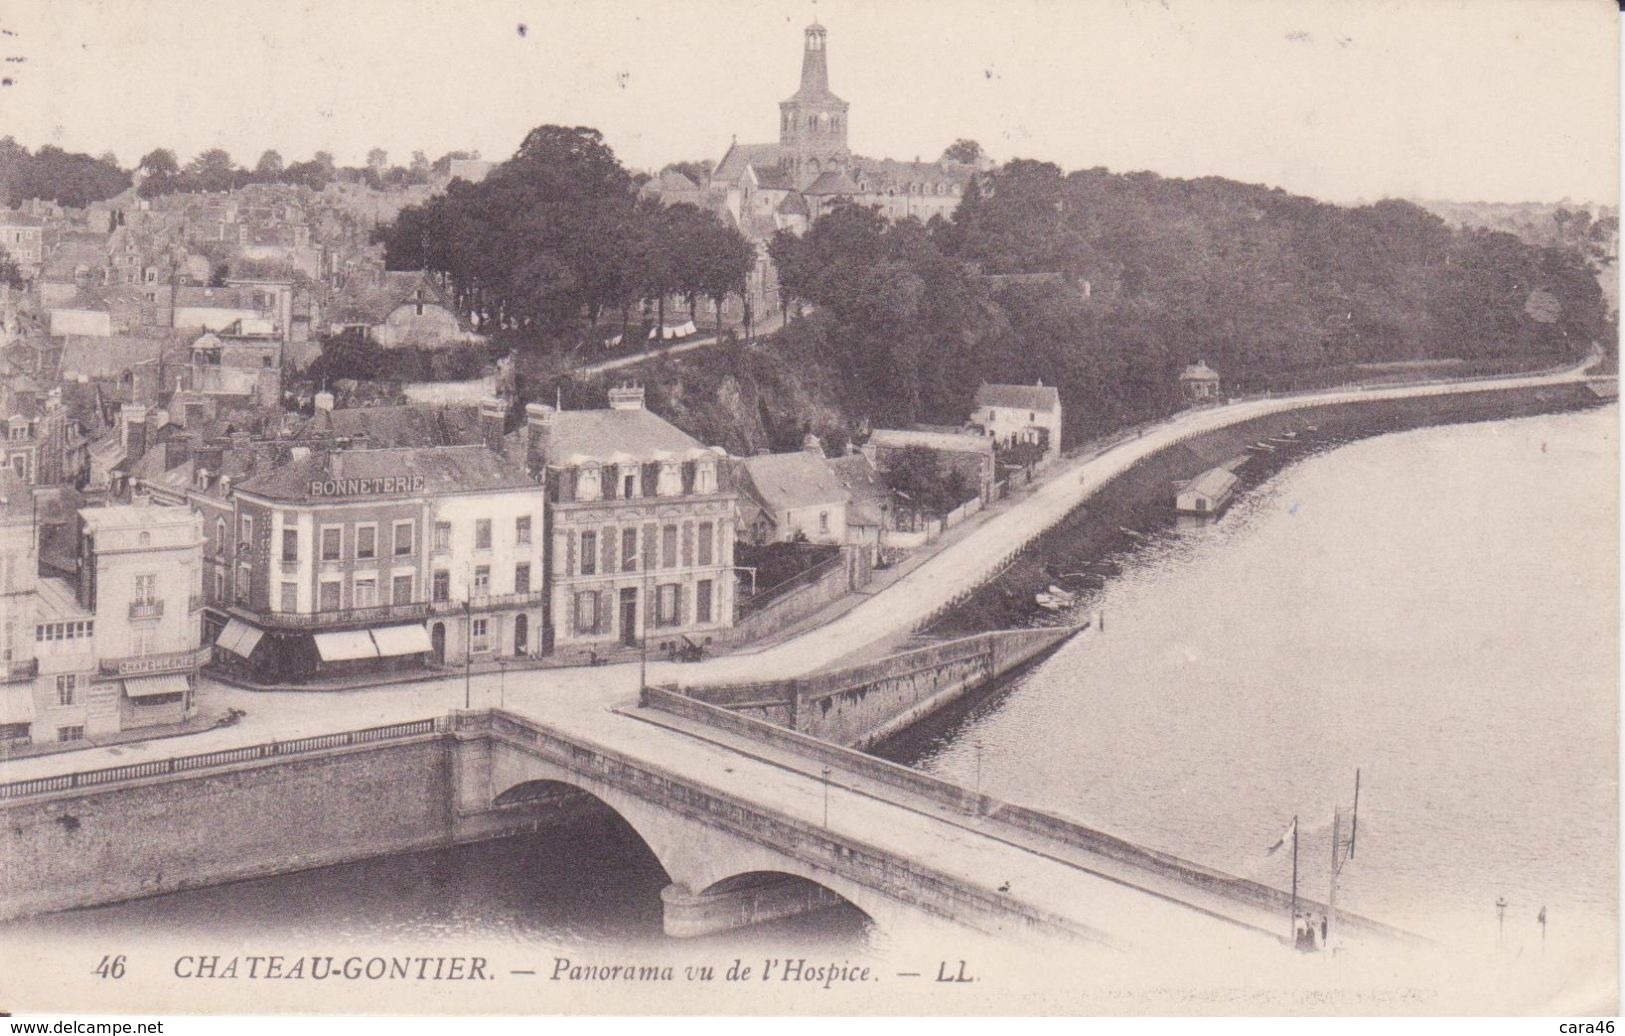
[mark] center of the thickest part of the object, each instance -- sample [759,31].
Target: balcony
[384,612]
[22,669]
[146,609]
[148,665]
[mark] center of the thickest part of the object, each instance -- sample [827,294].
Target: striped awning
[239,638]
[410,639]
[153,686]
[345,646]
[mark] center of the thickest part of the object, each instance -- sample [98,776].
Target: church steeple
[812,123]
[814,69]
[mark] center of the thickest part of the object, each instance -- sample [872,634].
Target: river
[1437,608]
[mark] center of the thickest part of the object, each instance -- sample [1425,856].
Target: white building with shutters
[641,524]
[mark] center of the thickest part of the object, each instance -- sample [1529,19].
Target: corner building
[641,528]
[366,561]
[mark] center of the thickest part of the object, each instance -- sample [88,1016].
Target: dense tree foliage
[556,235]
[1107,285]
[65,177]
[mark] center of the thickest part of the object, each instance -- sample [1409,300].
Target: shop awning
[239,638]
[342,647]
[17,705]
[153,686]
[410,639]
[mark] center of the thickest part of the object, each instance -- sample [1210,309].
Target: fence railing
[224,757]
[384,612]
[806,577]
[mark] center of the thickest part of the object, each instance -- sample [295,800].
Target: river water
[1437,608]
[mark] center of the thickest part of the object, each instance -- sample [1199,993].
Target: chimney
[324,400]
[493,412]
[538,433]
[626,397]
[135,438]
[299,452]
[225,485]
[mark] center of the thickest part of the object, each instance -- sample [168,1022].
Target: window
[482,580]
[402,590]
[589,553]
[365,592]
[290,597]
[74,733]
[245,527]
[482,534]
[521,531]
[441,587]
[481,635]
[587,612]
[702,601]
[442,536]
[219,585]
[332,539]
[220,535]
[50,631]
[366,541]
[521,578]
[146,589]
[668,546]
[666,605]
[823,521]
[290,544]
[631,484]
[144,539]
[65,686]
[705,478]
[403,539]
[329,595]
[629,550]
[708,538]
[141,641]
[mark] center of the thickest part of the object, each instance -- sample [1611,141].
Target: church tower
[812,123]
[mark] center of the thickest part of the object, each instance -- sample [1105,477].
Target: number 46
[110,967]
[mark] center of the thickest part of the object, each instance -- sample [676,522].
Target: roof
[899,438]
[1214,482]
[793,205]
[610,436]
[123,516]
[372,303]
[785,481]
[1199,372]
[95,356]
[1019,397]
[193,297]
[16,498]
[732,166]
[832,181]
[879,173]
[445,469]
[56,600]
[410,424]
[11,218]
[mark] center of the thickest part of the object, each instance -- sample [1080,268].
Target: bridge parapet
[866,703]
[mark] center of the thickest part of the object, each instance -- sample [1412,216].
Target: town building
[1199,383]
[39,444]
[22,238]
[785,497]
[112,648]
[402,308]
[373,560]
[641,527]
[1011,414]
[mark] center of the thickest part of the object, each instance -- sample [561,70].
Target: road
[772,322]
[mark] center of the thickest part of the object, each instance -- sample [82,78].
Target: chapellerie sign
[382,486]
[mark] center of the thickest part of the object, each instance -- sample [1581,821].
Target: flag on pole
[1291,831]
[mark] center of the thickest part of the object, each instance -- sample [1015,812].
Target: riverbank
[1138,502]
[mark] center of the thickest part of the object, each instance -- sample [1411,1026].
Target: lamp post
[468,651]
[502,682]
[826,796]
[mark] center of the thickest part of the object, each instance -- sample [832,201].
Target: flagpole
[1294,940]
[1331,892]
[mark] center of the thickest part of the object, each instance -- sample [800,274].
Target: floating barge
[1208,493]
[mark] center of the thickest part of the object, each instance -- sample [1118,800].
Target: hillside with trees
[1106,285]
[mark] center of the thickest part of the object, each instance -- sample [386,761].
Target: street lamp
[502,682]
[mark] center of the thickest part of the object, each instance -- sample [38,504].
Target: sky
[1345,100]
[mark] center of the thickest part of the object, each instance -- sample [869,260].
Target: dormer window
[589,482]
[670,482]
[705,477]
